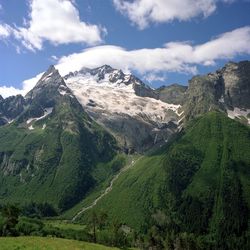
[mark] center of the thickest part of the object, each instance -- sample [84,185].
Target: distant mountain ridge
[227,89]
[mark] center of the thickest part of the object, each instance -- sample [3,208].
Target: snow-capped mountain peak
[121,101]
[51,83]
[101,74]
[108,76]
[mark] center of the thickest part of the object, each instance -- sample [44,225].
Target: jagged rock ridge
[228,90]
[126,106]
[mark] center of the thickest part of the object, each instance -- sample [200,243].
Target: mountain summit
[126,106]
[108,75]
[51,83]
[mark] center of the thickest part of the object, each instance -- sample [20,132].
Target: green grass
[103,174]
[64,225]
[45,243]
[135,193]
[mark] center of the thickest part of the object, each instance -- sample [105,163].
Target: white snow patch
[155,129]
[21,178]
[8,120]
[180,120]
[155,140]
[30,127]
[221,100]
[180,114]
[104,96]
[47,77]
[127,77]
[237,113]
[62,92]
[47,111]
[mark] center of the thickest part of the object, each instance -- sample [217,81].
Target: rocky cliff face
[10,108]
[174,93]
[236,83]
[228,90]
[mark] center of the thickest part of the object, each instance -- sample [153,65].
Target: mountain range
[70,135]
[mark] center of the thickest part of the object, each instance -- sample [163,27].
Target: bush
[28,226]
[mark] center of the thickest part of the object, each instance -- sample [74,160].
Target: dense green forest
[195,189]
[192,193]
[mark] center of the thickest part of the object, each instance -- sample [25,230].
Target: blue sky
[161,41]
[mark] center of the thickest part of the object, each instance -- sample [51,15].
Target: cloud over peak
[172,57]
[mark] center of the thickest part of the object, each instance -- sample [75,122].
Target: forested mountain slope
[201,181]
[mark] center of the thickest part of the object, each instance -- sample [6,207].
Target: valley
[98,155]
[108,189]
[125,125]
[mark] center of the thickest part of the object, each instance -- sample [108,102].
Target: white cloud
[9,91]
[173,57]
[152,77]
[30,83]
[5,31]
[142,60]
[225,46]
[58,22]
[181,57]
[54,58]
[229,1]
[144,12]
[27,85]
